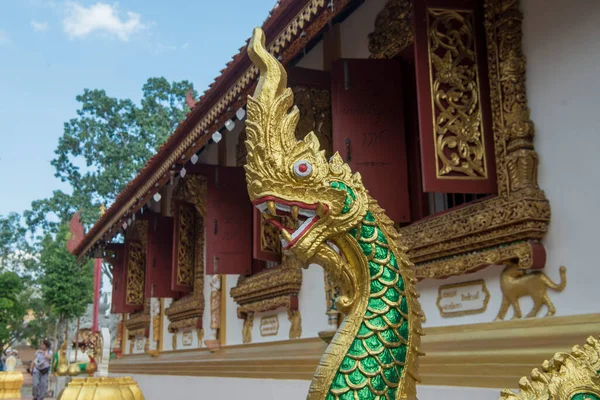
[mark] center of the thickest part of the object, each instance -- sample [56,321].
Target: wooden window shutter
[116,260]
[228,222]
[183,247]
[159,256]
[369,131]
[457,144]
[135,275]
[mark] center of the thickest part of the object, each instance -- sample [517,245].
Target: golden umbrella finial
[102,209]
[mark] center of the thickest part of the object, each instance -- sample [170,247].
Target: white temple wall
[181,387]
[563,52]
[312,308]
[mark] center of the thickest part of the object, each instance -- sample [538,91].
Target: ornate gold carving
[296,324]
[569,376]
[393,29]
[442,245]
[283,280]
[138,323]
[137,239]
[264,305]
[269,237]
[516,159]
[192,189]
[457,119]
[187,312]
[186,243]
[516,283]
[471,262]
[478,226]
[136,272]
[340,203]
[247,328]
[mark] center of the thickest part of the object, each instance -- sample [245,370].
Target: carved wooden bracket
[269,290]
[138,323]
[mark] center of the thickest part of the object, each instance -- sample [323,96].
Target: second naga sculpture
[374,353]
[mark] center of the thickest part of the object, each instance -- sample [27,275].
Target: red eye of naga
[302,168]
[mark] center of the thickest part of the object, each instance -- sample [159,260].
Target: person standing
[40,369]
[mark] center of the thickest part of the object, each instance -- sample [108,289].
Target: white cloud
[80,21]
[39,26]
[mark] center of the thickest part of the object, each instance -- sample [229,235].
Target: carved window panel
[369,131]
[184,238]
[228,222]
[115,256]
[457,144]
[135,274]
[266,239]
[159,257]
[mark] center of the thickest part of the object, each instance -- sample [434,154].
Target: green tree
[67,286]
[16,253]
[12,310]
[105,146]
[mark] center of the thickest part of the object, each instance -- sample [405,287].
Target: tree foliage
[105,146]
[16,253]
[12,310]
[67,287]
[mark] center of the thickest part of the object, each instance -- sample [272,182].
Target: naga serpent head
[292,177]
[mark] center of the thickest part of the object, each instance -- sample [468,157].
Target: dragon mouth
[305,216]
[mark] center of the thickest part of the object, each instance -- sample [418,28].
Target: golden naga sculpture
[568,376]
[374,353]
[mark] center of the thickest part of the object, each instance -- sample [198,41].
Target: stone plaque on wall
[139,343]
[464,298]
[187,338]
[269,325]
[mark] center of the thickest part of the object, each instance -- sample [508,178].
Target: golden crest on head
[290,176]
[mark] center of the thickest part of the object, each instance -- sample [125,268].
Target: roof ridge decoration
[136,198]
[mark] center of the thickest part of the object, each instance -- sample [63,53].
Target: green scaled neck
[373,367]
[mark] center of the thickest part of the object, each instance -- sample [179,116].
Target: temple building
[463,118]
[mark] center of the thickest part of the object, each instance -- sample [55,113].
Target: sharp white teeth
[284,243]
[261,207]
[294,213]
[271,207]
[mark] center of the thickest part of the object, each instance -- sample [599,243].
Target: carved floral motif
[458,126]
[393,29]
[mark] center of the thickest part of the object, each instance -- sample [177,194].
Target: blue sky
[51,50]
